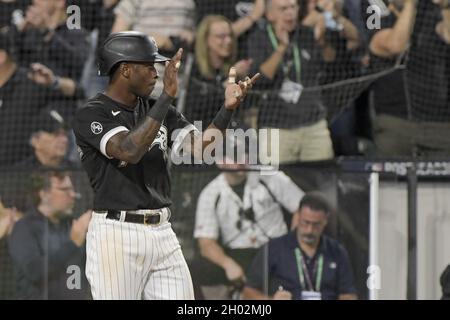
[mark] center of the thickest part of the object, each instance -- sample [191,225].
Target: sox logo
[161,139]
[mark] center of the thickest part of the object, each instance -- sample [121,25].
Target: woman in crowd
[215,53]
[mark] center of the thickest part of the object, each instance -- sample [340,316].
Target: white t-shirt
[219,208]
[167,17]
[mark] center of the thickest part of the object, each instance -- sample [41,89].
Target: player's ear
[125,70]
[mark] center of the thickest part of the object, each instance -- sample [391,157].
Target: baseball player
[123,139]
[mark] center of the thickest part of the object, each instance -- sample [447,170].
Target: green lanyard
[302,272]
[297,61]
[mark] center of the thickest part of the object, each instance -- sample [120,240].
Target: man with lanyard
[290,61]
[304,264]
[237,213]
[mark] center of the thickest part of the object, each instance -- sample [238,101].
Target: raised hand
[171,73]
[41,74]
[236,92]
[243,67]
[282,34]
[258,9]
[35,17]
[80,228]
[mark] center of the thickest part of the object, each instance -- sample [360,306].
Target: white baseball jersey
[219,209]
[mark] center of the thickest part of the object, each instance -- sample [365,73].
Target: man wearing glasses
[47,245]
[304,264]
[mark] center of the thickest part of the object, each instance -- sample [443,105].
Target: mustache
[309,237]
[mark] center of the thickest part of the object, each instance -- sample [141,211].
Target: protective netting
[319,62]
[319,71]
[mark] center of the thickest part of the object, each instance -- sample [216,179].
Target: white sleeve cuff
[108,136]
[178,143]
[204,233]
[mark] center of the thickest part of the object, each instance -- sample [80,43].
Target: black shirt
[233,10]
[389,92]
[118,185]
[204,97]
[275,112]
[42,252]
[97,16]
[8,282]
[65,54]
[345,64]
[21,100]
[282,268]
[429,67]
[239,189]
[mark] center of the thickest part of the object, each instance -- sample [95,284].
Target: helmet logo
[154,42]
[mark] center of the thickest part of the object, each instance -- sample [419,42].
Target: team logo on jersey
[161,139]
[96,127]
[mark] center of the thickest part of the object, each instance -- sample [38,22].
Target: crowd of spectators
[299,46]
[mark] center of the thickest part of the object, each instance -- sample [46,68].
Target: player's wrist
[159,110]
[170,93]
[223,118]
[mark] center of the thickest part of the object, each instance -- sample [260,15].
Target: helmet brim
[158,58]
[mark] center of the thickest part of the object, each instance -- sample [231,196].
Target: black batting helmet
[128,46]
